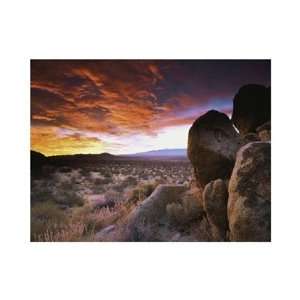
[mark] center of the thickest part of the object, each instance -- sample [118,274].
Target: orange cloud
[49,142]
[125,103]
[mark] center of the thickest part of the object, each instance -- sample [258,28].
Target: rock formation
[249,203]
[145,220]
[241,212]
[212,146]
[215,197]
[251,108]
[264,132]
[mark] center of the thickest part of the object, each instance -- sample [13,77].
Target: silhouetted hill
[102,156]
[37,161]
[78,159]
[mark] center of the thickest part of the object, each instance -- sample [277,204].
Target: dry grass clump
[41,193]
[46,216]
[175,213]
[68,194]
[113,196]
[192,206]
[72,232]
[189,209]
[141,192]
[51,224]
[102,181]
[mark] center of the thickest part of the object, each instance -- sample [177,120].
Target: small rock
[215,198]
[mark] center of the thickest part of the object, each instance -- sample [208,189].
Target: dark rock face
[249,202]
[215,198]
[264,132]
[251,107]
[212,146]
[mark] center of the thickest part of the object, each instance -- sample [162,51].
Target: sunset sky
[115,106]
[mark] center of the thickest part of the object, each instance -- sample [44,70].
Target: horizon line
[107,152]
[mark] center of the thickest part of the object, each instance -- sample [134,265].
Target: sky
[130,106]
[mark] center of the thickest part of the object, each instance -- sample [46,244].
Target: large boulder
[249,202]
[215,197]
[212,146]
[145,221]
[251,107]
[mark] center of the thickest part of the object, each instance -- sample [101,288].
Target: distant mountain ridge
[180,152]
[38,160]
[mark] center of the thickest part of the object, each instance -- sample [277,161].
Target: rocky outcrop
[212,146]
[249,202]
[250,137]
[251,108]
[215,198]
[145,221]
[264,132]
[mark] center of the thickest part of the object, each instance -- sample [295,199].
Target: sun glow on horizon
[53,144]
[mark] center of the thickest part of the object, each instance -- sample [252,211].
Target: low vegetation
[69,204]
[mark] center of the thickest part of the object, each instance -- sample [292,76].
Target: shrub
[41,194]
[119,187]
[65,169]
[135,196]
[148,189]
[141,192]
[130,180]
[188,210]
[175,213]
[69,198]
[67,194]
[112,196]
[192,207]
[100,181]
